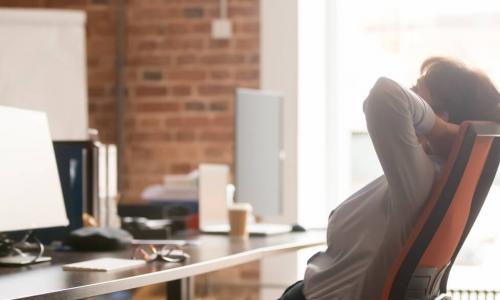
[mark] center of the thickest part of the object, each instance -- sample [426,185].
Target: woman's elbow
[378,93]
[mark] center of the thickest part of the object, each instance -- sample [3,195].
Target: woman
[412,131]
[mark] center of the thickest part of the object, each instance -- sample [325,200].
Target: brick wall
[180,81]
[181,85]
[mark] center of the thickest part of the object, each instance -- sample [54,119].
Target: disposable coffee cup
[239,213]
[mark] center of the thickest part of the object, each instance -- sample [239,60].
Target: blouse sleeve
[394,117]
[422,115]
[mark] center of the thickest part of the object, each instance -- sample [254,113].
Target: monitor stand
[12,252]
[22,260]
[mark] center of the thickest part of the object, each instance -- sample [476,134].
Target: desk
[49,281]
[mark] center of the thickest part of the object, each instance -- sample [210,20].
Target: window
[368,39]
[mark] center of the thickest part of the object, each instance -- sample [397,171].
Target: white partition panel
[42,67]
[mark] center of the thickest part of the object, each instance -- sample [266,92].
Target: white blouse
[367,231]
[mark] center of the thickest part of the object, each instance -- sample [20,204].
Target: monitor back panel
[30,191]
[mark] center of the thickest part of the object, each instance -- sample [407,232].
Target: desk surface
[49,281]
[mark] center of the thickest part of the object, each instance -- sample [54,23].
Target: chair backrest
[422,268]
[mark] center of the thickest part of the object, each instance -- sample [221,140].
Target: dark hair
[461,92]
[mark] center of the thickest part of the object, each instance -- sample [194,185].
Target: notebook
[104,264]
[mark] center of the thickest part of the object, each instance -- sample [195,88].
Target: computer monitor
[259,151]
[30,190]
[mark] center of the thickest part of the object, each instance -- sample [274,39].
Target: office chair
[422,268]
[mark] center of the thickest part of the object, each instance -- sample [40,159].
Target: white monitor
[30,190]
[259,151]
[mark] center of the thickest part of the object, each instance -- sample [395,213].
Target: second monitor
[259,151]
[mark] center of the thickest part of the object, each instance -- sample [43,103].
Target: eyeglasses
[167,253]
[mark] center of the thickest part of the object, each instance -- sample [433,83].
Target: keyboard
[259,229]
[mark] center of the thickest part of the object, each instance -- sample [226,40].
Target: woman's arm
[394,116]
[441,136]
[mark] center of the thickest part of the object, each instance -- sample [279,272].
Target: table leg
[181,289]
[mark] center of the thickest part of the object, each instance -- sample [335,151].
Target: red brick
[215,152]
[204,27]
[177,28]
[96,91]
[92,62]
[220,44]
[149,123]
[247,43]
[103,122]
[188,122]
[223,59]
[140,152]
[247,28]
[95,107]
[154,14]
[186,59]
[195,106]
[129,124]
[224,121]
[174,122]
[171,151]
[193,12]
[189,75]
[149,29]
[216,89]
[148,137]
[181,168]
[196,121]
[220,74]
[217,136]
[185,136]
[148,60]
[101,75]
[152,75]
[150,91]
[218,106]
[181,44]
[181,90]
[101,22]
[255,59]
[148,45]
[247,75]
[237,11]
[103,46]
[157,107]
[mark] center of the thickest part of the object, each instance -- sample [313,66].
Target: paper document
[104,264]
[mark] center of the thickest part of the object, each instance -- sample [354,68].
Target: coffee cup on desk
[239,214]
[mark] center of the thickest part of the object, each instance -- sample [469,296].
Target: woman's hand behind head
[442,136]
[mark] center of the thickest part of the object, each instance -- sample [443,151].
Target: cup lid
[241,206]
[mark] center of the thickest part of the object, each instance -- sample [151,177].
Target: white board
[43,67]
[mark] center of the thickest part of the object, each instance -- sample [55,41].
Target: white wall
[43,67]
[279,72]
[312,114]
